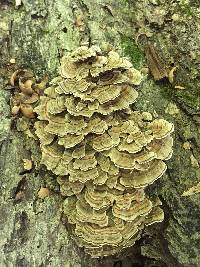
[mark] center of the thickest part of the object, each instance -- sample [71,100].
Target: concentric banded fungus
[103,153]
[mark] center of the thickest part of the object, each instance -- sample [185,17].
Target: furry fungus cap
[103,153]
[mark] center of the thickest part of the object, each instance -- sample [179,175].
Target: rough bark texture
[37,34]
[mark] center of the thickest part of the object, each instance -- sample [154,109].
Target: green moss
[186,9]
[131,50]
[190,97]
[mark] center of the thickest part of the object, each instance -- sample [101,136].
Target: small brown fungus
[15,110]
[103,153]
[171,74]
[26,86]
[25,95]
[43,192]
[27,111]
[20,74]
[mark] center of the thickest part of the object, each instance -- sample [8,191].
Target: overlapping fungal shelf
[103,153]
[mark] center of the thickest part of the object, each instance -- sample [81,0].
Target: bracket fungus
[103,154]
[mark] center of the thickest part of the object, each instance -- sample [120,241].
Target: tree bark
[36,34]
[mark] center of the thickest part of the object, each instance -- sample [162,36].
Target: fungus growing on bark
[26,92]
[103,153]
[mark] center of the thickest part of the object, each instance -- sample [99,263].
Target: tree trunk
[35,35]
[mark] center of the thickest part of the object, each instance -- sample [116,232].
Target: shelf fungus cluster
[103,154]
